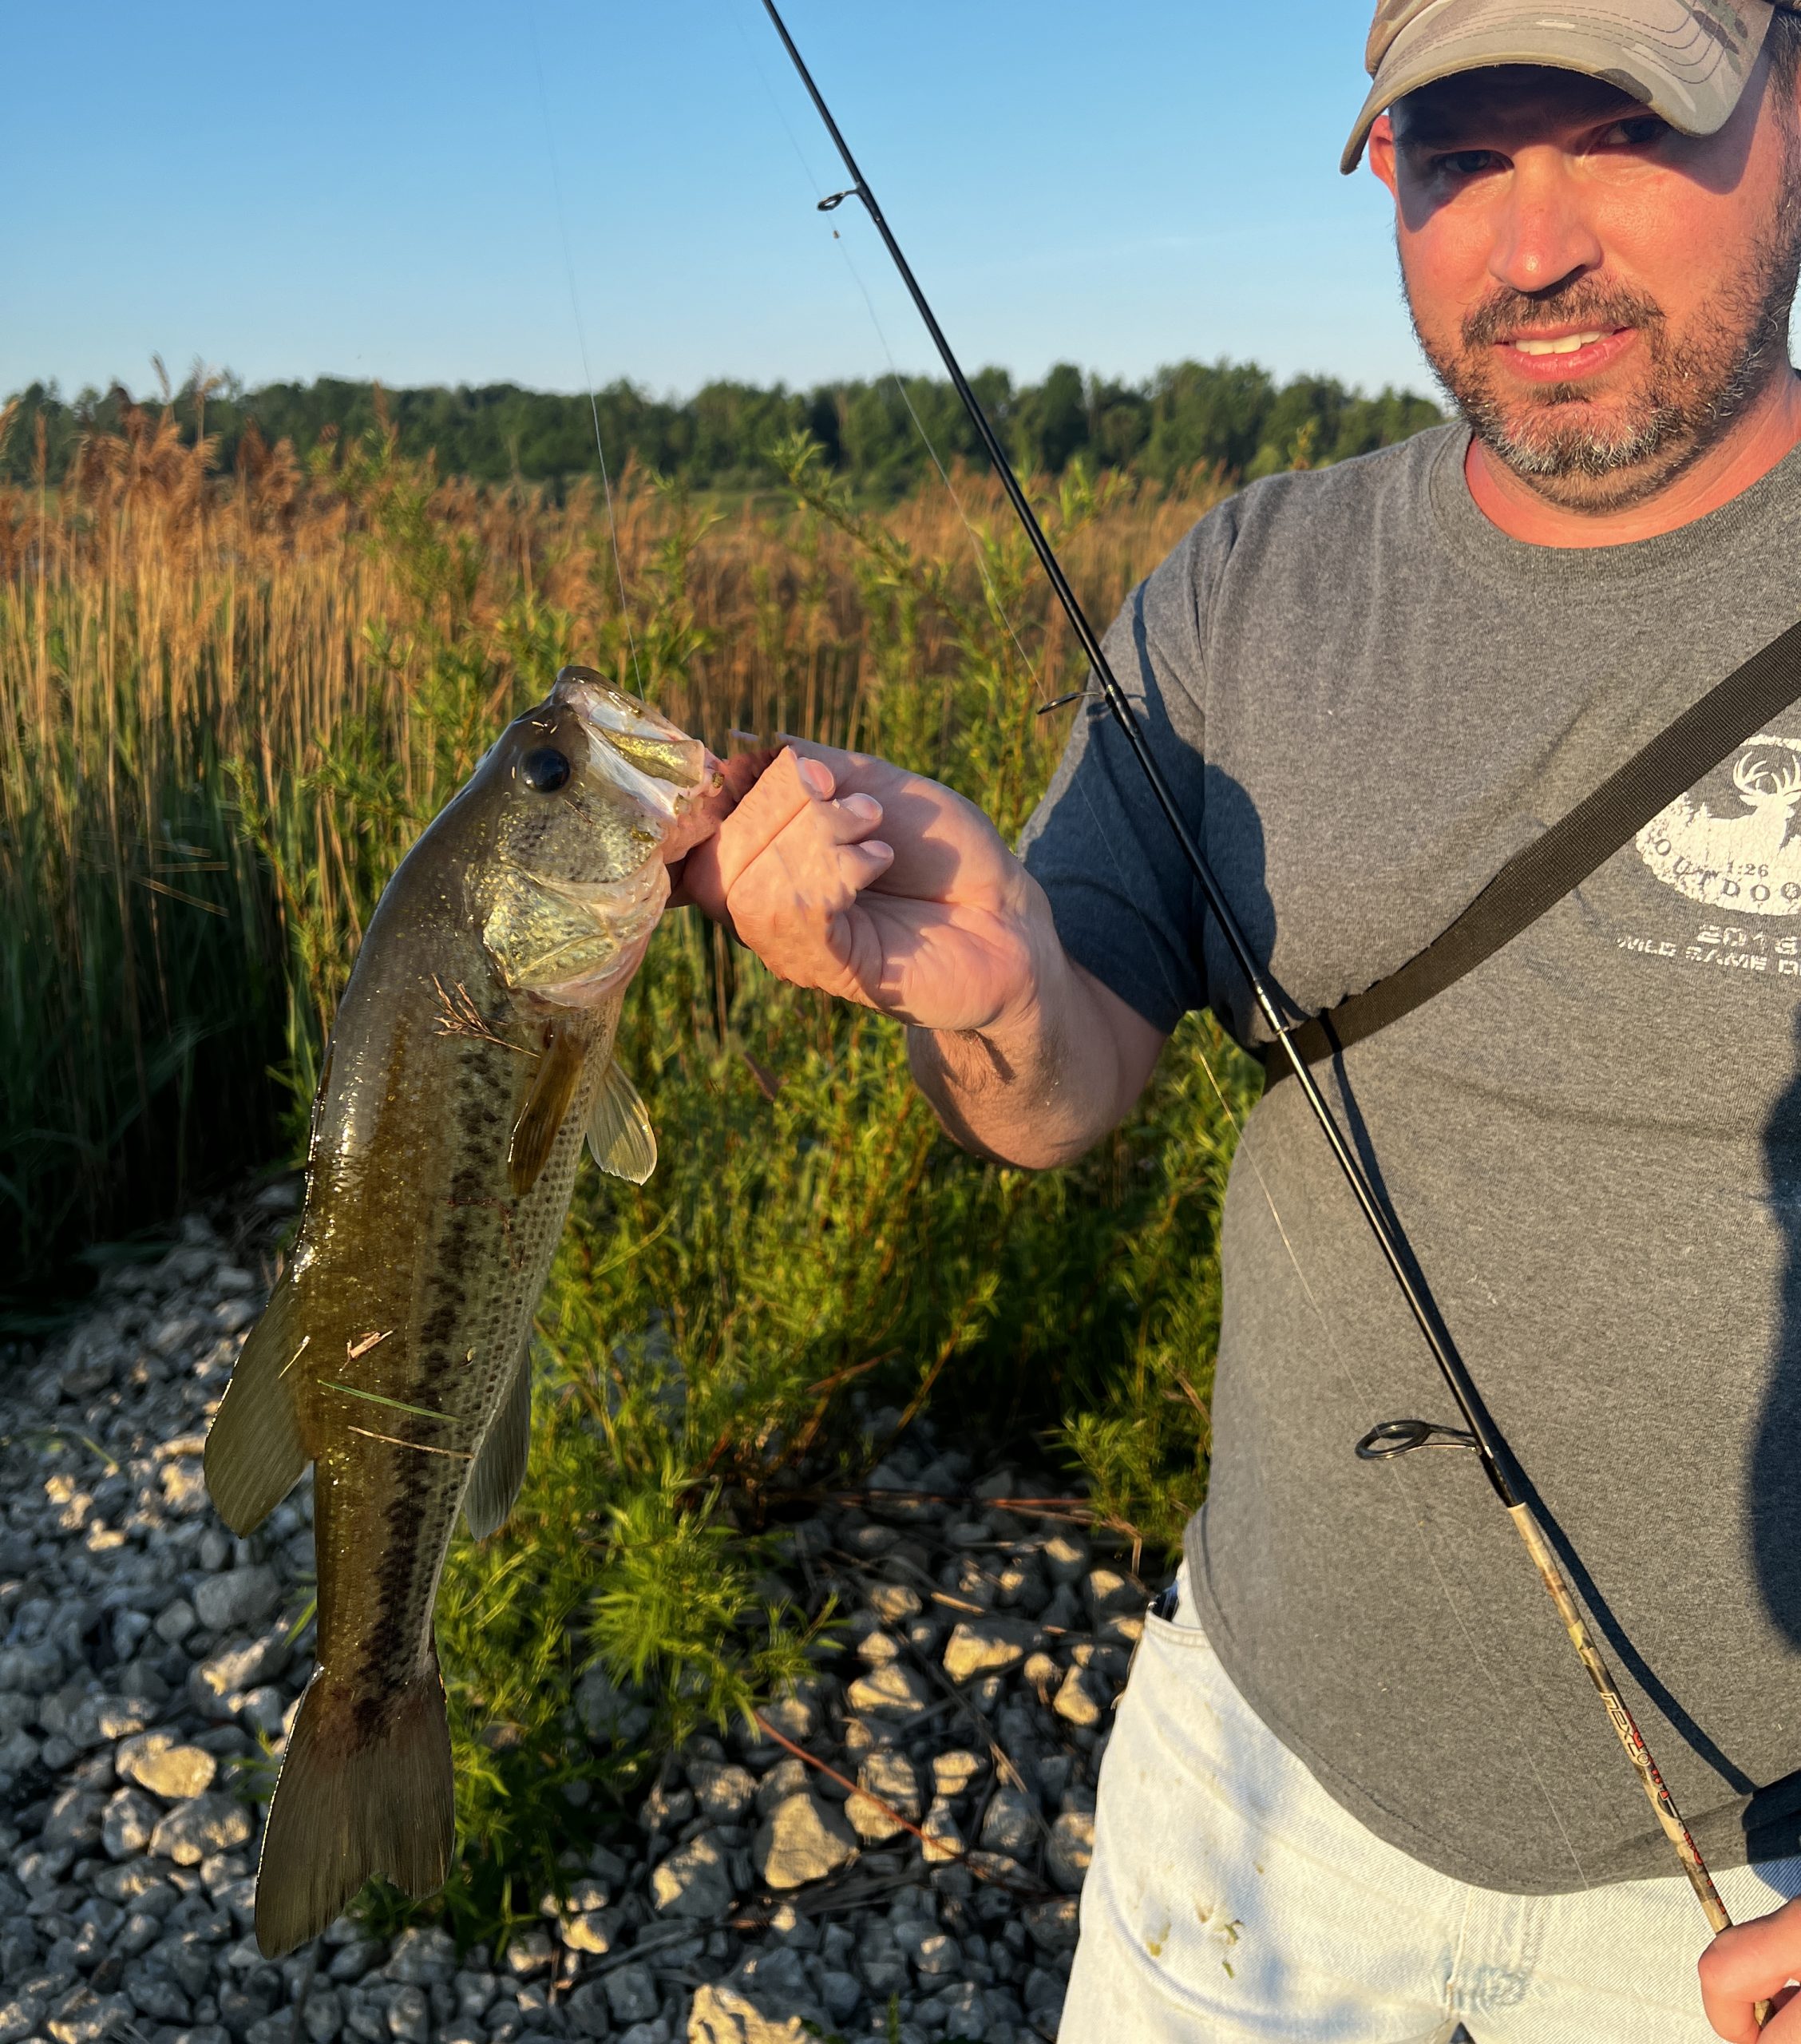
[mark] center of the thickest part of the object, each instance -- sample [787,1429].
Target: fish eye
[544,769]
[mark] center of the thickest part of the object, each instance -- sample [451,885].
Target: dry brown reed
[226,702]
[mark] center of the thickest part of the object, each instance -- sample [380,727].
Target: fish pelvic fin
[499,1469]
[547,1107]
[619,1133]
[366,1788]
[255,1454]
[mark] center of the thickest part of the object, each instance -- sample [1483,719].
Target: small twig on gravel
[960,1604]
[826,1903]
[945,1855]
[641,1948]
[954,1698]
[832,1774]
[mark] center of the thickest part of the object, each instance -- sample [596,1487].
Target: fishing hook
[1484,1438]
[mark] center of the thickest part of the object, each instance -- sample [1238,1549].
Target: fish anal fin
[358,1795]
[546,1109]
[618,1128]
[255,1454]
[499,1469]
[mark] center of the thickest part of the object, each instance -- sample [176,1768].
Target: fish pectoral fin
[546,1109]
[499,1469]
[619,1129]
[366,1787]
[255,1454]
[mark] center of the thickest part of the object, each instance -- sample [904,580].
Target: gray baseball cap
[1687,60]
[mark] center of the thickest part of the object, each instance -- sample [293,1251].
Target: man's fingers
[866,862]
[852,772]
[794,903]
[790,786]
[694,875]
[1749,1963]
[850,822]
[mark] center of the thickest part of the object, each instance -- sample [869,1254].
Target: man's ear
[1382,151]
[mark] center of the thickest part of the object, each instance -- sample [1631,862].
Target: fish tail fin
[357,1796]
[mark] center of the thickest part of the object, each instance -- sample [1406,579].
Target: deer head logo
[1748,861]
[1768,789]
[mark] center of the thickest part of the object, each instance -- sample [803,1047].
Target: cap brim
[1676,66]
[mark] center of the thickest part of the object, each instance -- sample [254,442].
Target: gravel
[803,1839]
[148,1659]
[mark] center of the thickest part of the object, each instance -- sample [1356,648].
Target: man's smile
[1563,354]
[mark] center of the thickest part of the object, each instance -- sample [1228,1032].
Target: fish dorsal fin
[618,1128]
[546,1109]
[499,1469]
[255,1454]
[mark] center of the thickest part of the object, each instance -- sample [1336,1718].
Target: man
[1358,1788]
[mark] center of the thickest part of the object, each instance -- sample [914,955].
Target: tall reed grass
[226,707]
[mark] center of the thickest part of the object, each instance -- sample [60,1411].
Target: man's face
[1600,295]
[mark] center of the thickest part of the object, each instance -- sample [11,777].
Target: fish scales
[472,1049]
[461,1282]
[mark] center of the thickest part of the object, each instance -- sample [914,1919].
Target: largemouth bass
[472,1049]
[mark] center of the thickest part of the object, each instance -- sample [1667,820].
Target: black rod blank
[1485,1437]
[1496,1460]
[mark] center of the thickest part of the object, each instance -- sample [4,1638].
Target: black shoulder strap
[1539,878]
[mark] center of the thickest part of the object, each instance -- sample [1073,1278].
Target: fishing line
[1358,1392]
[997,605]
[581,343]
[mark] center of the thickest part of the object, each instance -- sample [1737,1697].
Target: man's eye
[1466,163]
[1638,133]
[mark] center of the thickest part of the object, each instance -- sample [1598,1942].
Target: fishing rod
[1479,1433]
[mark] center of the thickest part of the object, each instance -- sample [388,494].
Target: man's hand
[844,873]
[1753,1963]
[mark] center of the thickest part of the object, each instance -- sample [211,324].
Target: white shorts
[1231,1898]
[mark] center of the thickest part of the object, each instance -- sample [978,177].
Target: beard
[1582,455]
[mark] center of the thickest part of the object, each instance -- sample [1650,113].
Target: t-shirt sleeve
[1125,905]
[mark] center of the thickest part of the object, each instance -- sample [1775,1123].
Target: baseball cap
[1687,60]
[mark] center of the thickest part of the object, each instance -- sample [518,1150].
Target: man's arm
[1040,1087]
[844,873]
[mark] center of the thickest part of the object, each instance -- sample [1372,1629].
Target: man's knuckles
[784,793]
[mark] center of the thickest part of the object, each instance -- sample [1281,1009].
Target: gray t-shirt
[1368,700]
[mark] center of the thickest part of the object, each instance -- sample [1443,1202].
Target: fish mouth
[637,751]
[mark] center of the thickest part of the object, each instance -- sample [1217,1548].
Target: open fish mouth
[640,752]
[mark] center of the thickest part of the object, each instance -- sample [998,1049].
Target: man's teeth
[1568,344]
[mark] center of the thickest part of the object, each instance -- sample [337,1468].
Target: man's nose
[1543,236]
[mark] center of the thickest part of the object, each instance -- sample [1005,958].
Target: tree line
[1232,416]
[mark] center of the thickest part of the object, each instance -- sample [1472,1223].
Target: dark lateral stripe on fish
[392,1643]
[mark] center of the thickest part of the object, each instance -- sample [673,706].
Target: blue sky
[369,189]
